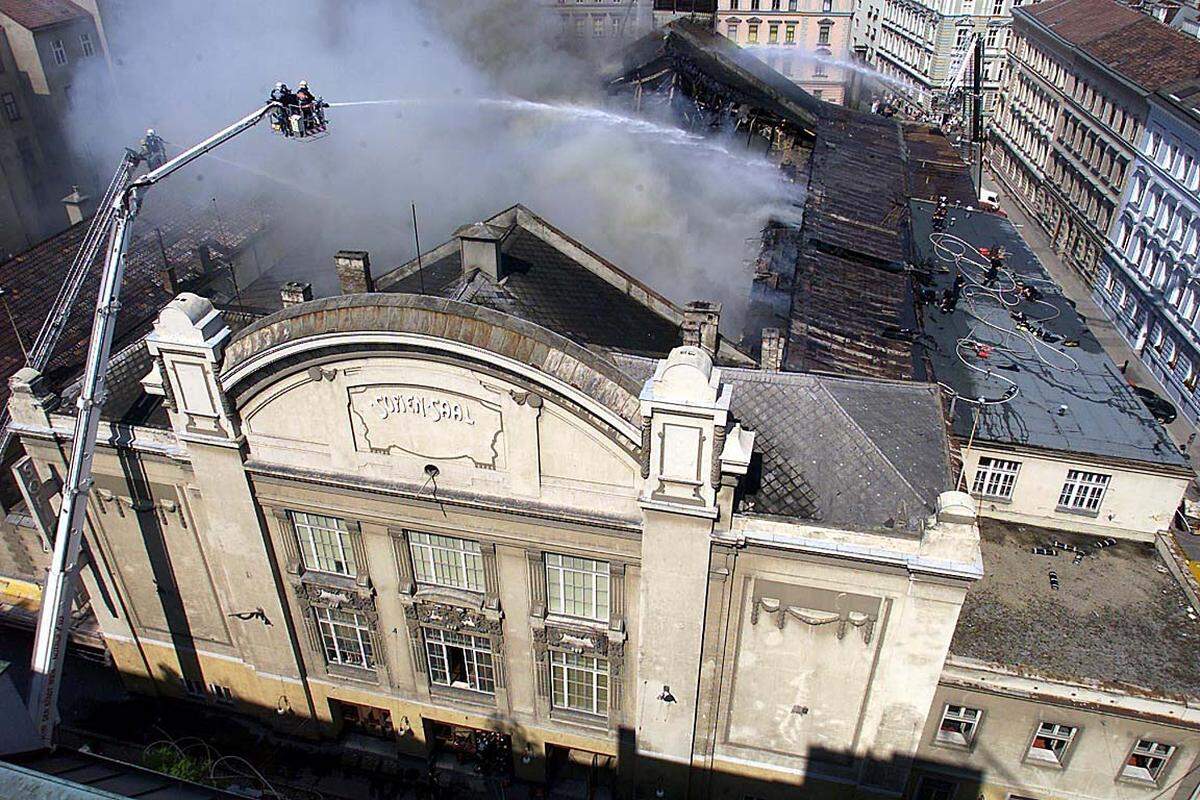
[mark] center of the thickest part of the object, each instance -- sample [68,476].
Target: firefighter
[154,149]
[288,101]
[309,107]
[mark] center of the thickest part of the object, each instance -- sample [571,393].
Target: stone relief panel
[803,667]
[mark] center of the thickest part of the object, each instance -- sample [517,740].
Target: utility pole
[977,113]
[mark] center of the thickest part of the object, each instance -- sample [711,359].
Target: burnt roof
[1117,618]
[1137,47]
[561,287]
[853,452]
[936,166]
[750,79]
[1069,397]
[35,14]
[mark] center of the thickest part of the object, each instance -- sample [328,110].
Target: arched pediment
[383,386]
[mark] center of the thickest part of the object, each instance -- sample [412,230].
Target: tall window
[819,67]
[1083,491]
[773,33]
[597,26]
[958,725]
[60,52]
[1051,741]
[752,33]
[1148,761]
[827,6]
[733,5]
[447,561]
[823,33]
[11,110]
[346,636]
[789,34]
[461,660]
[995,477]
[580,682]
[731,30]
[324,544]
[85,42]
[577,587]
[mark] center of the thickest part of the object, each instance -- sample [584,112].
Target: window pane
[324,544]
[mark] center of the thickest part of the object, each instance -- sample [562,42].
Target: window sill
[583,719]
[1044,763]
[350,673]
[331,580]
[1078,512]
[1133,780]
[949,744]
[563,621]
[440,691]
[987,498]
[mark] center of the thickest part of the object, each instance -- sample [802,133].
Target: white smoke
[674,210]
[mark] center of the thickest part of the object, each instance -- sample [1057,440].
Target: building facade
[806,40]
[603,23]
[418,521]
[1073,112]
[930,47]
[1147,284]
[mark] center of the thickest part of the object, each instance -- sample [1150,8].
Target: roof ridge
[854,423]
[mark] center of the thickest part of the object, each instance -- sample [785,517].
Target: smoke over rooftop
[484,110]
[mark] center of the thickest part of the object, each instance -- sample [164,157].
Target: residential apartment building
[28,212]
[1074,111]
[593,532]
[930,46]
[807,41]
[603,23]
[1148,281]
[57,57]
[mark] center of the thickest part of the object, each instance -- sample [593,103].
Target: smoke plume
[491,109]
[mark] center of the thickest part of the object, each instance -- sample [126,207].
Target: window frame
[958,739]
[58,49]
[308,549]
[595,573]
[994,475]
[364,636]
[560,682]
[1057,760]
[86,45]
[437,638]
[12,111]
[1152,778]
[425,571]
[1080,484]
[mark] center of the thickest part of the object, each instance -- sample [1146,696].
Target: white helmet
[303,85]
[279,86]
[149,131]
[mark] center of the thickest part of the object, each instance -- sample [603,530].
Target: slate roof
[545,285]
[1134,45]
[35,14]
[854,452]
[1102,415]
[1117,617]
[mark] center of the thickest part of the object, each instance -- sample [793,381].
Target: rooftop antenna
[417,239]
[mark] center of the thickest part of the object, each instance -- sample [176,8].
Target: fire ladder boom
[53,618]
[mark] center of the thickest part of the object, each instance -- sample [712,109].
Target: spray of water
[890,81]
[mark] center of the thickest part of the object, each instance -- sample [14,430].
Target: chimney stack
[354,271]
[78,205]
[170,280]
[700,321]
[479,246]
[294,293]
[771,358]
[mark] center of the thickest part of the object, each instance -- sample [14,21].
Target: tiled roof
[1117,616]
[35,14]
[32,278]
[1138,47]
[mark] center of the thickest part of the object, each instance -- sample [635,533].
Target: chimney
[354,271]
[78,205]
[479,246]
[170,280]
[207,265]
[700,320]
[294,293]
[771,358]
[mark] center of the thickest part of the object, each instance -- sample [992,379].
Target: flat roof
[1117,618]
[1069,395]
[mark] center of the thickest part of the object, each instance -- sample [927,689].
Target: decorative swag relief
[816,607]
